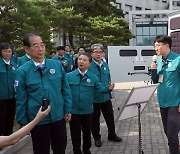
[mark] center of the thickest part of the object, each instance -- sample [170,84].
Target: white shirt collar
[61,56]
[82,73]
[6,62]
[35,63]
[98,63]
[28,56]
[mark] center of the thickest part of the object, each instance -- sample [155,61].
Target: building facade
[147,18]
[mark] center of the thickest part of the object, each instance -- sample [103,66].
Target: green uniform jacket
[169,90]
[83,91]
[14,57]
[104,77]
[7,76]
[22,60]
[70,61]
[31,89]
[67,69]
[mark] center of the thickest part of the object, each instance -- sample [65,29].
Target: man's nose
[41,48]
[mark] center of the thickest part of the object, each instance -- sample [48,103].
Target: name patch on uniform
[13,68]
[16,83]
[170,64]
[88,80]
[52,71]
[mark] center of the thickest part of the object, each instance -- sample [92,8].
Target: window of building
[139,31]
[138,8]
[118,5]
[139,41]
[164,16]
[156,16]
[176,3]
[152,30]
[128,8]
[147,15]
[165,1]
[147,31]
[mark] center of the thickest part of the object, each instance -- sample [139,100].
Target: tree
[21,17]
[107,30]
[91,8]
[88,20]
[100,22]
[65,21]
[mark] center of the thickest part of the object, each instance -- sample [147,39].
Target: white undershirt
[6,62]
[35,63]
[98,63]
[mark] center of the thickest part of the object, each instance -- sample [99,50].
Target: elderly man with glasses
[102,102]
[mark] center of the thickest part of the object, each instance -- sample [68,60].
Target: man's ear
[26,48]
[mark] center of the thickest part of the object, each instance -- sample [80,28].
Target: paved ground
[153,138]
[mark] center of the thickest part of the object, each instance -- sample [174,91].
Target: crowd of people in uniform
[78,89]
[77,86]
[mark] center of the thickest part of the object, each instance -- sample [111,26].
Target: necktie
[41,66]
[40,69]
[99,69]
[6,66]
[81,76]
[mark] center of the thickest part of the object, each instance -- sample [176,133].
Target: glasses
[98,52]
[38,46]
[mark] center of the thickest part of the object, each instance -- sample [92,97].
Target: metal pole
[139,124]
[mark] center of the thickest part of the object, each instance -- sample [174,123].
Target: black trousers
[171,122]
[108,114]
[7,113]
[78,123]
[52,133]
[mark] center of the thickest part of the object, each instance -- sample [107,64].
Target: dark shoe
[98,143]
[87,152]
[115,138]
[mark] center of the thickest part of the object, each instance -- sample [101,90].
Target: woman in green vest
[7,94]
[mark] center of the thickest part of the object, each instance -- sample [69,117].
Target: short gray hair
[95,46]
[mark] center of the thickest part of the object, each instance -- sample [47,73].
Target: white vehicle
[130,63]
